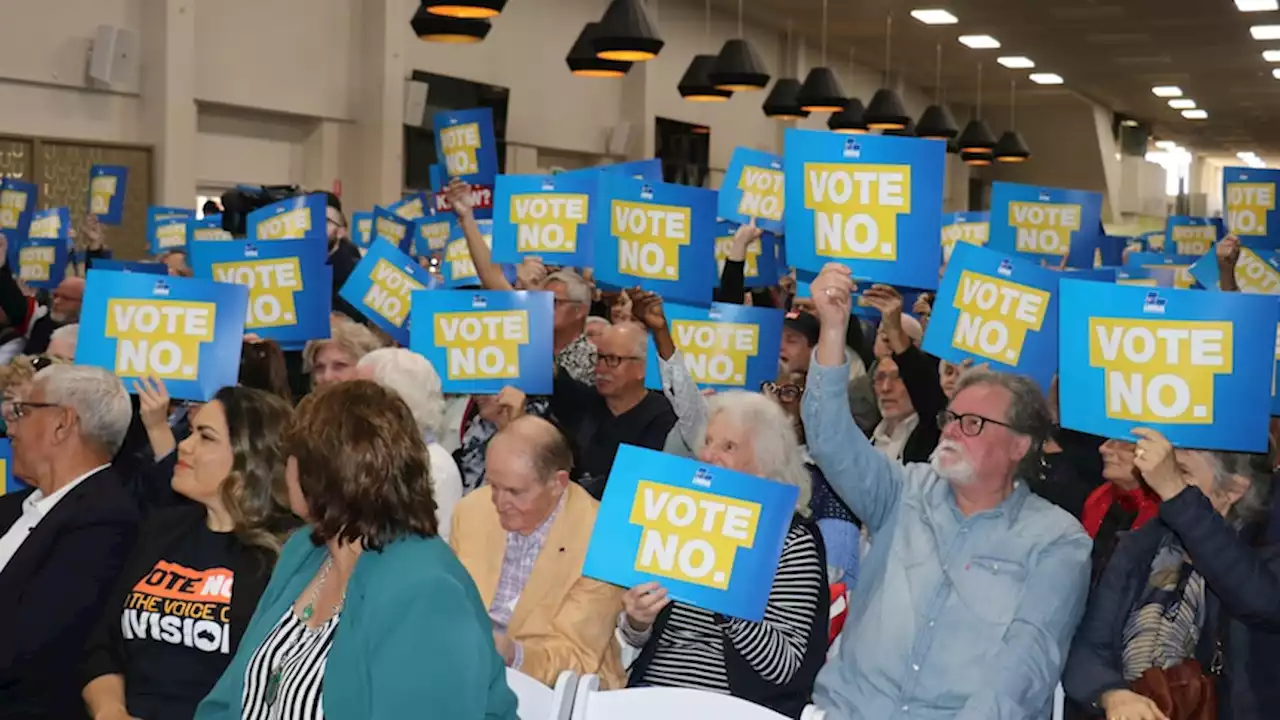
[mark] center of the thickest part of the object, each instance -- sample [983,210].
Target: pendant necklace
[308,610]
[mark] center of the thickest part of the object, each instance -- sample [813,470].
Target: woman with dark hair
[194,578]
[369,615]
[262,366]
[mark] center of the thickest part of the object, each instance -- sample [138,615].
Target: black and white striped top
[299,654]
[690,652]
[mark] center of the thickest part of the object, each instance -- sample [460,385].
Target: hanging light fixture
[783,102]
[821,91]
[977,138]
[582,58]
[627,34]
[850,120]
[886,111]
[937,122]
[696,85]
[471,9]
[908,130]
[441,29]
[1012,148]
[975,159]
[738,68]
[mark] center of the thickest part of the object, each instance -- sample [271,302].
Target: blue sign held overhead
[466,144]
[858,305]
[643,532]
[482,341]
[1195,366]
[185,331]
[107,186]
[549,216]
[759,266]
[296,218]
[1249,196]
[382,285]
[436,178]
[1179,265]
[457,269]
[754,188]
[411,207]
[1190,235]
[128,266]
[42,262]
[167,229]
[17,208]
[725,347]
[50,224]
[873,203]
[432,233]
[206,229]
[362,229]
[393,228]
[1256,272]
[1042,223]
[973,228]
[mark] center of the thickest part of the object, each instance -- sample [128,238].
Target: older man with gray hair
[62,543]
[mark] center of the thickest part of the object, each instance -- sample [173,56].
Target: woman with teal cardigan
[368,616]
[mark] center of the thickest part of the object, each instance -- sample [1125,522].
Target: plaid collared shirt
[517,565]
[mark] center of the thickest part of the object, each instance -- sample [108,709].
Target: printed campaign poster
[482,341]
[465,141]
[42,262]
[1275,379]
[50,224]
[858,306]
[873,203]
[759,267]
[1042,223]
[432,232]
[972,228]
[1195,366]
[11,483]
[1179,265]
[544,215]
[185,331]
[754,189]
[1190,235]
[1257,272]
[382,286]
[458,269]
[207,228]
[658,236]
[362,229]
[290,285]
[107,185]
[129,266]
[392,228]
[436,178]
[997,309]
[296,218]
[17,206]
[167,229]
[1250,199]
[725,347]
[1093,251]
[1150,276]
[411,207]
[712,537]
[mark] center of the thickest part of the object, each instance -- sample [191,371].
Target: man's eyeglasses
[970,425]
[787,393]
[40,362]
[14,410]
[566,301]
[613,361]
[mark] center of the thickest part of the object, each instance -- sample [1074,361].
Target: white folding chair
[1059,703]
[666,703]
[539,702]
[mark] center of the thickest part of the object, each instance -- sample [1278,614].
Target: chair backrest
[539,702]
[665,703]
[1059,703]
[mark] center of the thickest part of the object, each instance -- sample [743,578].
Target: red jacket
[1140,500]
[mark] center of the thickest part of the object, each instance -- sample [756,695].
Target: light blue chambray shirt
[964,618]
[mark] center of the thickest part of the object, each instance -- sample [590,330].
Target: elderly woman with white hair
[412,377]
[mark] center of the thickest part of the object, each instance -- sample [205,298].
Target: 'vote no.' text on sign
[1041,223]
[1249,196]
[382,287]
[754,189]
[547,216]
[725,347]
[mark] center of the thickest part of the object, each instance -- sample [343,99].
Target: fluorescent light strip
[1167,91]
[1265,32]
[935,17]
[1016,62]
[1182,104]
[1272,56]
[1046,78]
[1195,114]
[1257,5]
[979,42]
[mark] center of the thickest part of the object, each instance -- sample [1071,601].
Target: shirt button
[964,530]
[905,708]
[930,623]
[995,567]
[916,668]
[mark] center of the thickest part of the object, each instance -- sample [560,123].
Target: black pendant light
[739,68]
[1012,148]
[976,159]
[850,120]
[582,58]
[937,122]
[471,9]
[783,102]
[977,138]
[886,111]
[908,130]
[441,29]
[821,91]
[627,34]
[696,85]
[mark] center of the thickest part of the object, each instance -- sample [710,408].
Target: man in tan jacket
[523,537]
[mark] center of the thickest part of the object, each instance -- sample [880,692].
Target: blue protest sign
[17,207]
[185,331]
[1189,235]
[381,288]
[650,170]
[362,229]
[128,266]
[107,185]
[1257,272]
[296,218]
[11,483]
[207,228]
[545,215]
[1099,274]
[436,178]
[1144,277]
[432,233]
[42,262]
[458,269]
[858,306]
[411,207]
[1179,265]
[754,188]
[466,144]
[1041,222]
[1275,386]
[392,228]
[50,224]
[1250,200]
[481,341]
[661,513]
[873,203]
[290,285]
[1195,366]
[973,228]
[725,347]
[759,267]
[996,308]
[658,236]
[167,229]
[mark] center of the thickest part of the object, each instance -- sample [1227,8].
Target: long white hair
[778,455]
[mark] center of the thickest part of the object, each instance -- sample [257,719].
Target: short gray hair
[597,320]
[1254,504]
[778,455]
[98,398]
[1028,412]
[414,379]
[574,286]
[69,333]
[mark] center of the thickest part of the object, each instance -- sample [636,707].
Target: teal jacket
[414,635]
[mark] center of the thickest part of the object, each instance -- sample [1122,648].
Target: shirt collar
[42,505]
[539,535]
[903,430]
[1009,509]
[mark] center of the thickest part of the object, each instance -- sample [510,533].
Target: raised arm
[733,284]
[490,275]
[1228,252]
[678,385]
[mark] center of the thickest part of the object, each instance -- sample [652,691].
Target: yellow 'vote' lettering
[159,337]
[691,536]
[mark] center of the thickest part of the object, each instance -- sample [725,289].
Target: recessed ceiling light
[1246,155]
[1265,32]
[1166,144]
[935,17]
[1257,5]
[1129,123]
[1195,114]
[1167,91]
[1276,73]
[1016,62]
[1046,78]
[1271,55]
[979,42]
[1182,104]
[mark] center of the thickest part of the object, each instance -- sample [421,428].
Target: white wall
[238,146]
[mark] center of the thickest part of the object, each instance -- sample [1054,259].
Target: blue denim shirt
[965,618]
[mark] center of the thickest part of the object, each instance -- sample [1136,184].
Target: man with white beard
[968,599]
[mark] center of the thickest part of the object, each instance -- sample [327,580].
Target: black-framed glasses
[971,425]
[786,392]
[613,361]
[15,410]
[40,362]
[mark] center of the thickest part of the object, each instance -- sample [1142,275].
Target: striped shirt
[690,652]
[298,654]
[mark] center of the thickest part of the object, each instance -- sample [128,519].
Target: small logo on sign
[646,192]
[161,289]
[250,251]
[1153,304]
[1044,196]
[1006,268]
[479,302]
[852,149]
[702,478]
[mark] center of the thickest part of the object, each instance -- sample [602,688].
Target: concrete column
[376,169]
[168,97]
[320,161]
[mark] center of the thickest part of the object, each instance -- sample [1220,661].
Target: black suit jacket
[53,590]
